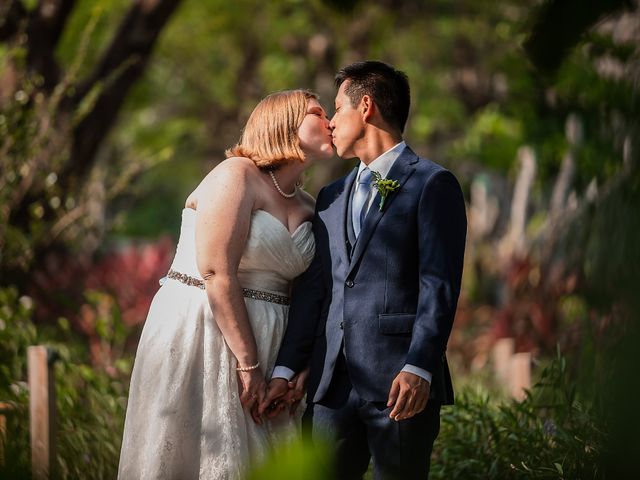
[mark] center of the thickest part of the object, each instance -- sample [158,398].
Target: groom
[372,315]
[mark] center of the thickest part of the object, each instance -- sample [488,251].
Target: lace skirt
[184,418]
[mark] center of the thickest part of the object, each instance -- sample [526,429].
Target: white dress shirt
[382,165]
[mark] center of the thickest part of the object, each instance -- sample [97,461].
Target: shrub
[551,434]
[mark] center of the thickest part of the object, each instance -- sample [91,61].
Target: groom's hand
[408,396]
[297,389]
[277,388]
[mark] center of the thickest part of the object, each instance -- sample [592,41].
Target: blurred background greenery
[111,112]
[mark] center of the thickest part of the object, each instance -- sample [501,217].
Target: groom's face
[347,124]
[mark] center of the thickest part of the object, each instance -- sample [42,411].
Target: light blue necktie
[360,198]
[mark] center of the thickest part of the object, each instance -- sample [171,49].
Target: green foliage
[295,459]
[551,434]
[16,332]
[22,141]
[35,144]
[89,403]
[104,16]
[493,138]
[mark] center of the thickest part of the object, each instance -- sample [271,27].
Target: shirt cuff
[417,371]
[283,372]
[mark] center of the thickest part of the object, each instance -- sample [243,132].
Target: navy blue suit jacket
[388,300]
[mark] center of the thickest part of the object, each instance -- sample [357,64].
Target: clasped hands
[271,400]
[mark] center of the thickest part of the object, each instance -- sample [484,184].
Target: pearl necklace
[285,195]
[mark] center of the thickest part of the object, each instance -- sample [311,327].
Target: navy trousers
[360,430]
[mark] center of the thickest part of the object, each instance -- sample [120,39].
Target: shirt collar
[384,162]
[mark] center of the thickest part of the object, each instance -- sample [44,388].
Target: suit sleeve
[307,301]
[442,228]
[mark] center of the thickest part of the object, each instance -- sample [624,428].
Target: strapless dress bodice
[271,259]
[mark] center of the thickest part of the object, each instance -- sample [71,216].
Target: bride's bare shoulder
[234,167]
[234,172]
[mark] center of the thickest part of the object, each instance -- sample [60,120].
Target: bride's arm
[225,202]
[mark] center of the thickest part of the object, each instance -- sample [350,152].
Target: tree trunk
[67,129]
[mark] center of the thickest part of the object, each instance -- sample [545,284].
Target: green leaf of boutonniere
[385,186]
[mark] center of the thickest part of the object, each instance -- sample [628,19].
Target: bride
[214,328]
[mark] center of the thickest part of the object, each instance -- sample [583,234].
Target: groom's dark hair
[388,87]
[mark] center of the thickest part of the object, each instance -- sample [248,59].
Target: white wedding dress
[184,418]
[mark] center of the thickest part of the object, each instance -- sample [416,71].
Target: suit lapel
[400,171]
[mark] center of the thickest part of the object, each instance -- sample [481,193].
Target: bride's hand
[254,390]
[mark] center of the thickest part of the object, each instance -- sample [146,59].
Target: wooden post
[42,409]
[5,408]
[520,375]
[502,353]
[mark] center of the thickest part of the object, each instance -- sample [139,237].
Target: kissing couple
[271,294]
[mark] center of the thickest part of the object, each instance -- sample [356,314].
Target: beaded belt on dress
[247,292]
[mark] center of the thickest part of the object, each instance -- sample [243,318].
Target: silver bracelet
[248,369]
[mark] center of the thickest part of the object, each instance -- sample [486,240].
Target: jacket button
[341,325]
[349,283]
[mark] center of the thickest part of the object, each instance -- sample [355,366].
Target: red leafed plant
[131,275]
[104,299]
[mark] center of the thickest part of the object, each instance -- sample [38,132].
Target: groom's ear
[367,107]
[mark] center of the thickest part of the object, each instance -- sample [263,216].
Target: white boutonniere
[385,186]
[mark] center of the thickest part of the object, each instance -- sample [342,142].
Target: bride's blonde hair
[270,137]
